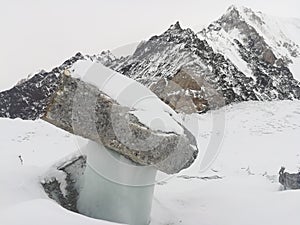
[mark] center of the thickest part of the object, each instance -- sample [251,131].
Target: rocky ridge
[239,57]
[256,50]
[230,61]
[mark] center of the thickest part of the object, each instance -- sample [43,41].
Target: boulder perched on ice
[87,99]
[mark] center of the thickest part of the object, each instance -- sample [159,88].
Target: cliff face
[67,98]
[30,98]
[258,48]
[242,56]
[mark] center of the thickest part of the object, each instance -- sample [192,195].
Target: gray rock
[30,98]
[289,180]
[269,57]
[66,195]
[82,109]
[162,58]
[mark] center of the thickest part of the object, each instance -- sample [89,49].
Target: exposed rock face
[82,109]
[269,57]
[288,180]
[163,56]
[186,93]
[30,98]
[190,72]
[252,66]
[265,77]
[65,190]
[256,50]
[105,57]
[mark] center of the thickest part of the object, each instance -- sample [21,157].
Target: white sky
[38,34]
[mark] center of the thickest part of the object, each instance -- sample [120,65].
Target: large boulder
[90,111]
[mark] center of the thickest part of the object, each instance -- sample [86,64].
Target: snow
[42,211]
[148,108]
[259,138]
[295,68]
[271,30]
[277,31]
[221,42]
[291,27]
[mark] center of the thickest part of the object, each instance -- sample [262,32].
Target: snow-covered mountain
[242,56]
[259,34]
[258,46]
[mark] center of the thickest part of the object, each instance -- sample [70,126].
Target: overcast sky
[38,34]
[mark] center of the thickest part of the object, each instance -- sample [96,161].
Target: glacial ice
[115,189]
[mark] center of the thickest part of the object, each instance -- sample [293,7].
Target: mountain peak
[232,7]
[177,34]
[106,57]
[233,11]
[175,26]
[242,13]
[238,8]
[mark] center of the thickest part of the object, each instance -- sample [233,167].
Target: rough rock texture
[190,72]
[217,56]
[214,58]
[82,109]
[30,98]
[66,195]
[163,56]
[187,93]
[288,180]
[264,54]
[269,57]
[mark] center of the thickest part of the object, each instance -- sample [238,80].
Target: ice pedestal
[115,189]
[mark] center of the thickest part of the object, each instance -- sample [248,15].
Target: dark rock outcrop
[30,98]
[160,59]
[65,190]
[82,109]
[289,180]
[163,56]
[268,65]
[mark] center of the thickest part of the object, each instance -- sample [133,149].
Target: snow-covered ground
[240,187]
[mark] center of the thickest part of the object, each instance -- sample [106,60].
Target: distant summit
[242,56]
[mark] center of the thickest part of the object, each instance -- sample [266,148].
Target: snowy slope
[240,187]
[242,56]
[291,27]
[283,35]
[280,35]
[270,28]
